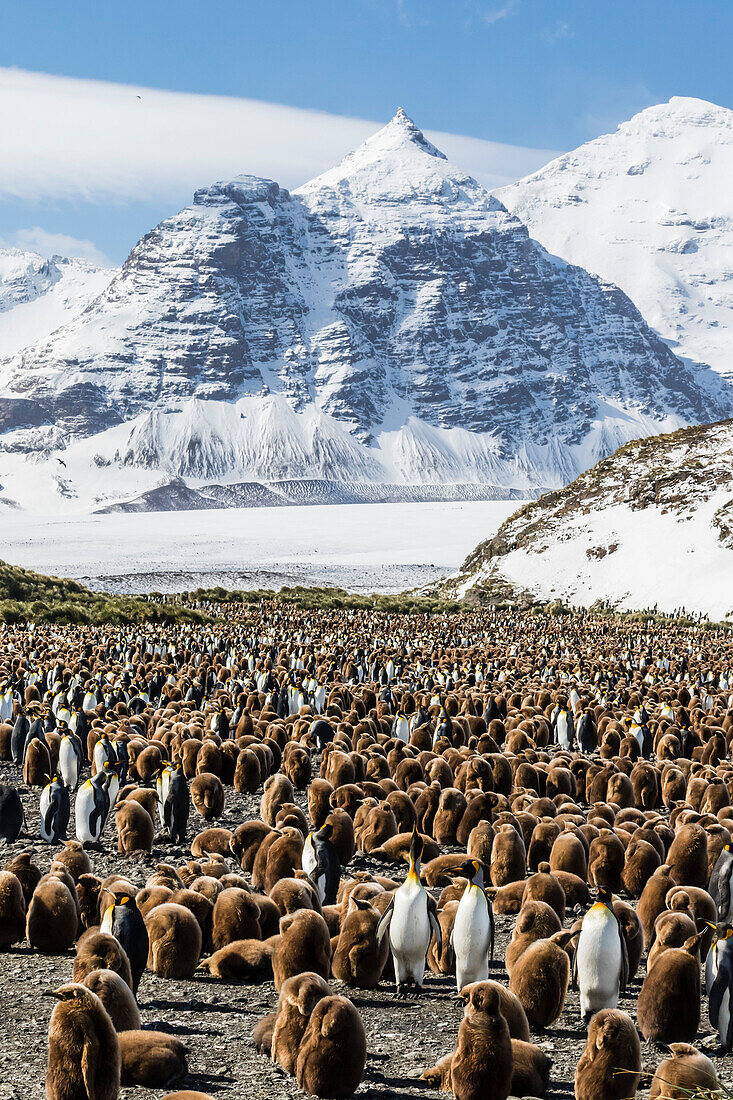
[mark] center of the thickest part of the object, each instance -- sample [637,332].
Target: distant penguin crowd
[396,790]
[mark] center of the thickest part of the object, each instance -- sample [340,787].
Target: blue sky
[539,74]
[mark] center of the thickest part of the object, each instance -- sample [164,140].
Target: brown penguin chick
[610,1065]
[507,900]
[379,826]
[688,1072]
[332,1055]
[695,901]
[89,896]
[291,894]
[508,856]
[83,1048]
[150,896]
[539,979]
[284,857]
[36,765]
[298,997]
[653,901]
[247,772]
[481,1068]
[135,828]
[577,891]
[246,840]
[52,921]
[396,849]
[152,1059]
[530,1069]
[145,797]
[633,934]
[441,871]
[262,1034]
[117,998]
[443,961]
[198,903]
[543,886]
[207,795]
[509,1005]
[175,941]
[100,951]
[606,861]
[358,959]
[235,917]
[536,921]
[12,910]
[640,862]
[671,929]
[342,836]
[75,859]
[277,791]
[27,873]
[688,856]
[481,841]
[669,1002]
[241,960]
[319,802]
[451,808]
[259,863]
[569,853]
[304,945]
[214,841]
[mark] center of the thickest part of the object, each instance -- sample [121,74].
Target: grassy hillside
[31,597]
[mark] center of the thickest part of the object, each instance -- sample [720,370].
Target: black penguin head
[721,931]
[416,846]
[605,895]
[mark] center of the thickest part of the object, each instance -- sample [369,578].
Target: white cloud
[36,239]
[493,15]
[83,140]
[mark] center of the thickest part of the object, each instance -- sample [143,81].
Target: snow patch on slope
[650,208]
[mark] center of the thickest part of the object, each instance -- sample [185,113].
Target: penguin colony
[522,823]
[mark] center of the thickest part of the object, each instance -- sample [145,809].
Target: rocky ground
[215,1019]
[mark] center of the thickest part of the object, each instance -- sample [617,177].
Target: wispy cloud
[410,16]
[36,239]
[91,141]
[557,33]
[494,15]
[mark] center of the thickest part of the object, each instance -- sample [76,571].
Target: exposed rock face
[387,322]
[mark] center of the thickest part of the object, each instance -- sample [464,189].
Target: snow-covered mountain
[651,526]
[37,295]
[389,322]
[650,208]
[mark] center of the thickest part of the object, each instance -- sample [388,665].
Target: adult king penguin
[70,759]
[719,983]
[719,885]
[321,862]
[176,805]
[472,937]
[601,963]
[92,808]
[411,919]
[125,922]
[55,811]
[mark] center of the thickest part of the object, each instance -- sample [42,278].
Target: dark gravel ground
[216,1019]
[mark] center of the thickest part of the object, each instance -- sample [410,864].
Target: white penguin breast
[599,953]
[410,926]
[471,928]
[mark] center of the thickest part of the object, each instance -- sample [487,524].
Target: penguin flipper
[434,922]
[89,1058]
[167,811]
[715,998]
[624,977]
[574,970]
[724,895]
[492,927]
[384,923]
[48,818]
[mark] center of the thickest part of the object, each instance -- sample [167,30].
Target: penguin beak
[53,993]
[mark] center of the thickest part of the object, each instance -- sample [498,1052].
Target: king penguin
[719,885]
[322,864]
[92,809]
[411,919]
[55,811]
[125,922]
[719,968]
[472,937]
[601,963]
[70,759]
[176,806]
